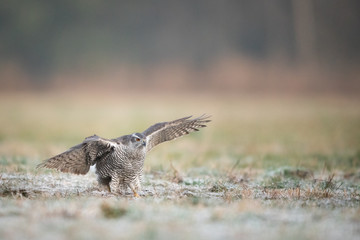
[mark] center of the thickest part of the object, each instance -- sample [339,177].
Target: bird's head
[138,140]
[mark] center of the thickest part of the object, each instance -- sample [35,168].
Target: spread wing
[167,131]
[79,158]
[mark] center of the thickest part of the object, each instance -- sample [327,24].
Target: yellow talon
[134,191]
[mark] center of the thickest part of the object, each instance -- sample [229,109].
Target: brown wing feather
[79,158]
[167,131]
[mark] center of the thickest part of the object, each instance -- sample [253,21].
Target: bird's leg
[138,183]
[123,187]
[104,183]
[114,184]
[133,189]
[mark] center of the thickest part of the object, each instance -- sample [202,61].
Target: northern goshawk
[119,162]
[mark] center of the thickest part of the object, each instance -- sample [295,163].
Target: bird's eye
[137,139]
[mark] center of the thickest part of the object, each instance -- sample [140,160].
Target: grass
[264,168]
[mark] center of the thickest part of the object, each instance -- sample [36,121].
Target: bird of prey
[119,162]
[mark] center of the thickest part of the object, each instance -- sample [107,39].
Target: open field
[274,168]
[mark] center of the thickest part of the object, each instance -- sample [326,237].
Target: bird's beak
[144,143]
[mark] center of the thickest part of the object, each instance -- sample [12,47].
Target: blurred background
[231,46]
[279,77]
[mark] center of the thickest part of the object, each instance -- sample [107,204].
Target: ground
[274,168]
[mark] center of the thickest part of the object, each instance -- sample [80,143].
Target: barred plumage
[119,162]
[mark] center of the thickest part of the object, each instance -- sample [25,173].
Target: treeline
[43,36]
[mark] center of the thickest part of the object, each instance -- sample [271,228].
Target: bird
[119,162]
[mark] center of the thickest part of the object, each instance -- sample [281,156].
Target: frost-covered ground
[63,206]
